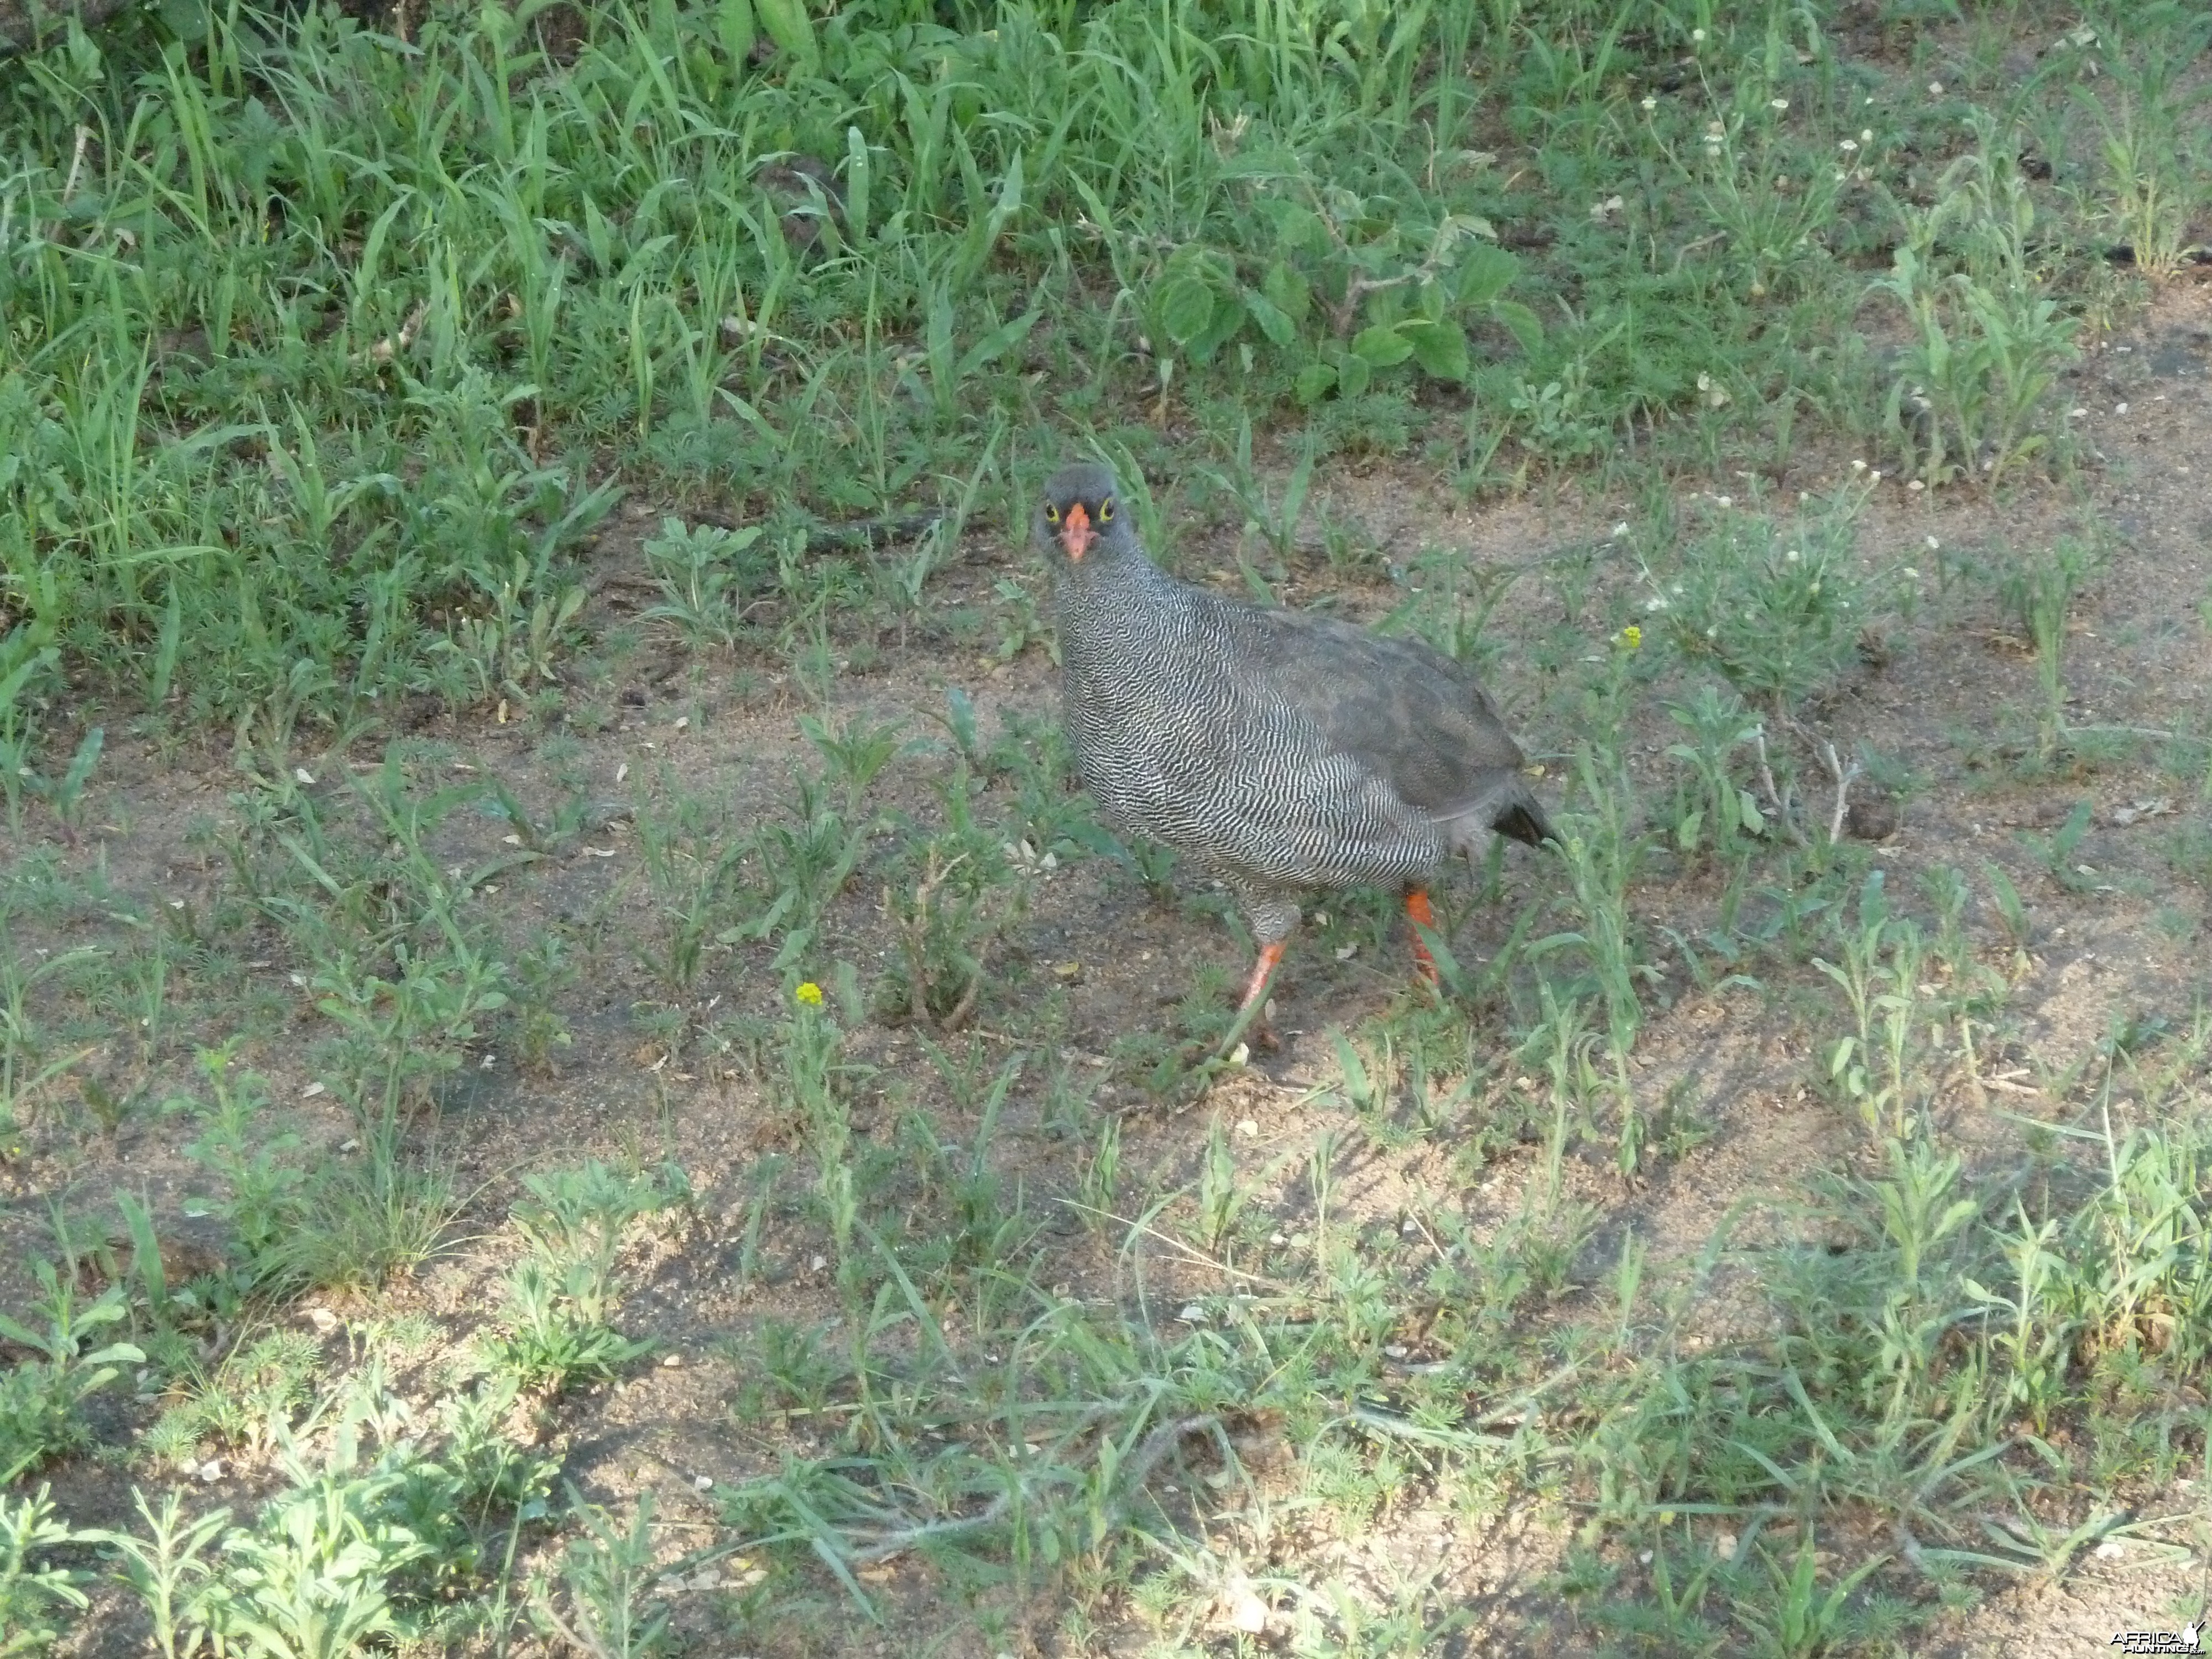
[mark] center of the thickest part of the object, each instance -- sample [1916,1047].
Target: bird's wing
[1403,710]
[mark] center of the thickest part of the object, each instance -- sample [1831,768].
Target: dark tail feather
[1524,821]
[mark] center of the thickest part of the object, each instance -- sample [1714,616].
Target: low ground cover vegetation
[577,1074]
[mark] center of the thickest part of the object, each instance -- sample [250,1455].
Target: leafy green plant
[41,1399]
[171,1568]
[706,576]
[25,1066]
[2040,590]
[561,1295]
[808,863]
[1875,1068]
[1718,811]
[608,1576]
[1343,286]
[1988,340]
[33,1591]
[65,795]
[1776,610]
[554,1331]
[2057,851]
[2152,140]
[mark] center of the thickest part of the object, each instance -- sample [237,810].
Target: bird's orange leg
[1255,1004]
[1256,986]
[1417,911]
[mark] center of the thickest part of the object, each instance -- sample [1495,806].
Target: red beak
[1076,534]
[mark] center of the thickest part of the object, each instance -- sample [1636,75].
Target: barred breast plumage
[1284,751]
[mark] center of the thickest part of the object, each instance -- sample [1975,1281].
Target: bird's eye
[1052,515]
[1106,511]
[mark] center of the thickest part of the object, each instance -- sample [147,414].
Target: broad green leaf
[1485,272]
[1287,291]
[1313,382]
[1186,308]
[1521,322]
[1439,348]
[1380,347]
[1299,228]
[1272,320]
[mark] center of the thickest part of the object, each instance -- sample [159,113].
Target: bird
[1283,751]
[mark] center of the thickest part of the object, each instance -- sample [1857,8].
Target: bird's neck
[1114,580]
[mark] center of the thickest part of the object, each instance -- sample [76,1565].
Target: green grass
[369,385]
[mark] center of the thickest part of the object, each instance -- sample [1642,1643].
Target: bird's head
[1082,513]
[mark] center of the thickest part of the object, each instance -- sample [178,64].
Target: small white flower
[1725,501]
[1866,134]
[1910,573]
[1858,466]
[1697,34]
[1933,544]
[1916,484]
[1934,89]
[1778,103]
[1790,556]
[1848,145]
[1651,104]
[1620,530]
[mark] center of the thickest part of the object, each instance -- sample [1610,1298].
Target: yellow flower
[1633,637]
[811,994]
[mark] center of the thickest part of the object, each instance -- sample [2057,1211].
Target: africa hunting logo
[2188,1640]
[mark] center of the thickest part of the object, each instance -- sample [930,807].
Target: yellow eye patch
[1052,515]
[1106,511]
